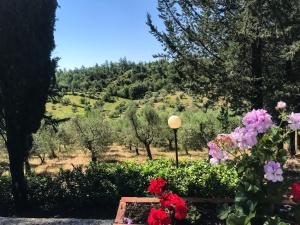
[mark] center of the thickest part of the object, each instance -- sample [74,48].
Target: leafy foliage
[245,52]
[102,184]
[124,79]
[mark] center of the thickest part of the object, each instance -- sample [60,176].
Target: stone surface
[50,221]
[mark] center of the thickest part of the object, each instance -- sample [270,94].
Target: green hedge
[101,185]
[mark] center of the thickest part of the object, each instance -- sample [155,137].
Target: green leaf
[224,212]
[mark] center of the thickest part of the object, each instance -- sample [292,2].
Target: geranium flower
[158,217]
[156,186]
[258,120]
[216,153]
[295,191]
[218,157]
[294,121]
[166,199]
[169,199]
[280,105]
[244,138]
[181,211]
[273,171]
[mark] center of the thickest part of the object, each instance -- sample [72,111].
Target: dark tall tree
[246,52]
[26,77]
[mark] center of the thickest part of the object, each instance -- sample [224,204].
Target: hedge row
[101,185]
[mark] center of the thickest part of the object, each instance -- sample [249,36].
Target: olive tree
[45,143]
[123,135]
[145,124]
[93,132]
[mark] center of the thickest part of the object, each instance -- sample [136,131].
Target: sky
[93,31]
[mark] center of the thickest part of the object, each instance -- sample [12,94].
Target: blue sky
[92,31]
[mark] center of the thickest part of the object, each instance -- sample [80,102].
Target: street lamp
[174,123]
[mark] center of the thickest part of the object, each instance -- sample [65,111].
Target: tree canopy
[246,52]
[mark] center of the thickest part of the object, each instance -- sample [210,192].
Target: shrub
[137,90]
[102,184]
[66,101]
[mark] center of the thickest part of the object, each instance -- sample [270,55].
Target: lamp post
[174,123]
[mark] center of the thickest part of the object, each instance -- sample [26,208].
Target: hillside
[77,104]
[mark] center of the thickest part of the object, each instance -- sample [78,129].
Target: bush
[137,90]
[102,184]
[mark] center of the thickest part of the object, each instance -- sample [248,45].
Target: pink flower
[258,120]
[273,171]
[280,105]
[294,121]
[218,156]
[244,138]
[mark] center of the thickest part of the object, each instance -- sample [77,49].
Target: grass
[60,111]
[75,99]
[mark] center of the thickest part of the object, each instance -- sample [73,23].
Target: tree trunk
[94,157]
[186,150]
[130,146]
[137,150]
[15,145]
[170,145]
[257,67]
[42,158]
[147,146]
[53,155]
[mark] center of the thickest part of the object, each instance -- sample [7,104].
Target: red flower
[295,191]
[166,199]
[158,217]
[156,186]
[181,211]
[173,200]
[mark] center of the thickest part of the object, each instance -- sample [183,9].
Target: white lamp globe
[174,122]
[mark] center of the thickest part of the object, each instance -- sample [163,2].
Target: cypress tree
[26,77]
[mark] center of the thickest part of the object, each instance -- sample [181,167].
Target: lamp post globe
[174,123]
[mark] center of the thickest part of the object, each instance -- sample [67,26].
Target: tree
[93,132]
[124,135]
[145,124]
[166,132]
[245,52]
[27,75]
[45,142]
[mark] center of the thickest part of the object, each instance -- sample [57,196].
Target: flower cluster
[280,105]
[156,186]
[244,138]
[294,121]
[258,121]
[158,217]
[295,191]
[260,158]
[172,206]
[255,122]
[273,171]
[218,148]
